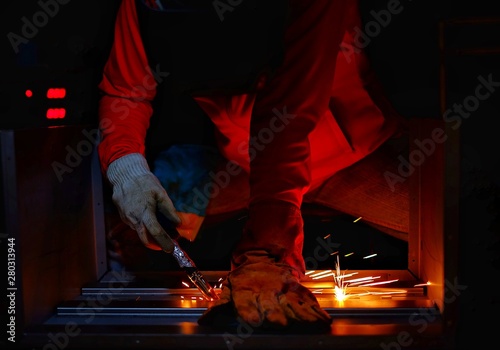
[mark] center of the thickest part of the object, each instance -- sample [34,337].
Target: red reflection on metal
[56,113]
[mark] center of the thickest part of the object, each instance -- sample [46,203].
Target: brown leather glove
[263,288]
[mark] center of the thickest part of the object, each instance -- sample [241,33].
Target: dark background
[71,48]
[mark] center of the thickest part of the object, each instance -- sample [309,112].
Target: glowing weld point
[348,254]
[340,294]
[357,219]
[369,256]
[184,283]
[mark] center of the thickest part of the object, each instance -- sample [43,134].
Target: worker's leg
[298,96]
[267,263]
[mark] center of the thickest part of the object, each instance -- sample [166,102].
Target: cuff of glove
[127,168]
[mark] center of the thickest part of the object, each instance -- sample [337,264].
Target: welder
[263,83]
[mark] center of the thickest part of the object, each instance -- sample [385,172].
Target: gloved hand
[138,195]
[263,287]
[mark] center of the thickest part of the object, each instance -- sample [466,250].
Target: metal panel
[50,209]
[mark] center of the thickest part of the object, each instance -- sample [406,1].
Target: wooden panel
[49,193]
[434,192]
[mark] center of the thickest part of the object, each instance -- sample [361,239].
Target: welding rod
[193,273]
[185,261]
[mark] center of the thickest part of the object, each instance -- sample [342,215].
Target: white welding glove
[138,195]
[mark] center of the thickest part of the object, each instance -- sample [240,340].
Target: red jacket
[360,118]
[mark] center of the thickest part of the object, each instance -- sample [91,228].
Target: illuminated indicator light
[369,256]
[56,93]
[184,283]
[348,254]
[357,219]
[28,93]
[56,113]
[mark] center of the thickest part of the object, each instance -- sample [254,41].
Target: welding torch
[185,262]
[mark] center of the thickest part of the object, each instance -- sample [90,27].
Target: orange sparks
[357,219]
[362,280]
[328,235]
[422,284]
[349,254]
[369,256]
[184,283]
[340,289]
[321,274]
[377,283]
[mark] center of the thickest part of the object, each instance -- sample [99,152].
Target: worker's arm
[128,87]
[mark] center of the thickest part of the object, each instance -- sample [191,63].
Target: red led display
[56,113]
[56,93]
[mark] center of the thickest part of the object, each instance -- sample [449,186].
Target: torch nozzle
[193,273]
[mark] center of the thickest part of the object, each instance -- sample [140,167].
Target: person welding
[265,84]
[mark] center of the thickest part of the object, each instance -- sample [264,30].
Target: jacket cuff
[127,168]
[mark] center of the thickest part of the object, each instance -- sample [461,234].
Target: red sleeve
[128,87]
